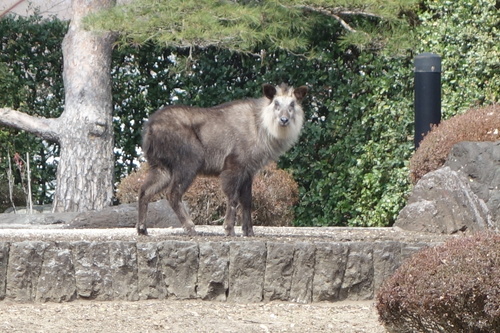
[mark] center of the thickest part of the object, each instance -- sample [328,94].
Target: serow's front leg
[246,207]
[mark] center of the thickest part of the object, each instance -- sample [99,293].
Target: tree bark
[85,129]
[85,170]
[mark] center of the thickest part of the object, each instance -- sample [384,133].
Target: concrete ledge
[289,264]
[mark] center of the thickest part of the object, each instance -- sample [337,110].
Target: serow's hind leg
[181,180]
[175,200]
[156,181]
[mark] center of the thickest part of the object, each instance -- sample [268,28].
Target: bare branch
[336,13]
[46,128]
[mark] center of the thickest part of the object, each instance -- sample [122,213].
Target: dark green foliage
[449,288]
[351,160]
[31,81]
[240,25]
[466,36]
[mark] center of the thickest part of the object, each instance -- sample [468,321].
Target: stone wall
[218,268]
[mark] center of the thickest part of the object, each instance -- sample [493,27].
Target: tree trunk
[85,129]
[86,167]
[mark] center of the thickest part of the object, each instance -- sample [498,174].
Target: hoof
[191,232]
[248,233]
[142,230]
[229,232]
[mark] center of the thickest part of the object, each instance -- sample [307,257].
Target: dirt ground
[188,316]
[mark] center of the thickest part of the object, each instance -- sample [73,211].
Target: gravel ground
[17,233]
[188,316]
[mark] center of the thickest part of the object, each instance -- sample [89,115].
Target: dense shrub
[479,124]
[274,194]
[449,288]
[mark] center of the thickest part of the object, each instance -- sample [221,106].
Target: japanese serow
[232,141]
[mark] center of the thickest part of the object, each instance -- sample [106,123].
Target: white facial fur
[283,117]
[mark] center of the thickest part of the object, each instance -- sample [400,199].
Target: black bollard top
[428,63]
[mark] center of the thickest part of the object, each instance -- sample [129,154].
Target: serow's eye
[276,104]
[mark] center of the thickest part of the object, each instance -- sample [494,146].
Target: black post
[427,94]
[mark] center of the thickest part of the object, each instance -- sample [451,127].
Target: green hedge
[31,81]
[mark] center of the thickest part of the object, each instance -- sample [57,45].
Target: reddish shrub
[274,194]
[454,287]
[481,124]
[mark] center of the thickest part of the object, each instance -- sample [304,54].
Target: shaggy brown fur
[232,141]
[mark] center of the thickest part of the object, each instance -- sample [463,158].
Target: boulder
[443,202]
[480,163]
[160,215]
[462,195]
[21,217]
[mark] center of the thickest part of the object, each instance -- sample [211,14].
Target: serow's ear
[300,92]
[269,91]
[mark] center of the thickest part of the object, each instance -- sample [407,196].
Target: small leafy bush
[479,124]
[449,288]
[18,195]
[274,194]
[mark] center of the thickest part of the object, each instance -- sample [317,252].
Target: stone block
[329,270]
[179,265]
[303,273]
[213,271]
[357,283]
[247,263]
[4,260]
[56,282]
[151,284]
[409,249]
[25,264]
[123,267]
[279,271]
[386,259]
[92,273]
